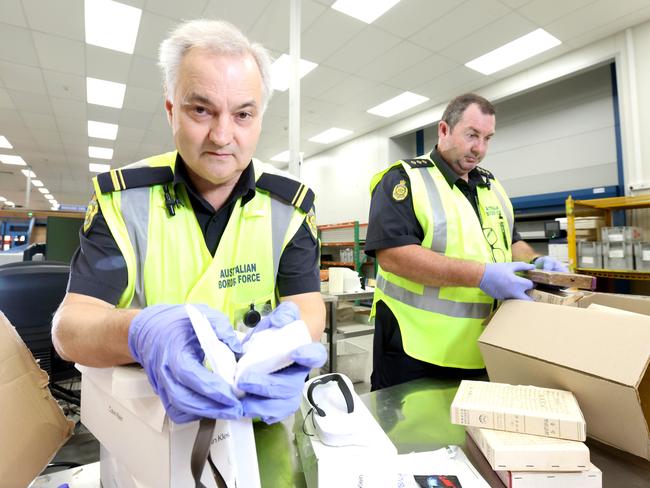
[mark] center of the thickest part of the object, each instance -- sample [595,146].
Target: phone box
[600,356]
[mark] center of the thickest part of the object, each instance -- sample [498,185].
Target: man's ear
[443,129]
[169,106]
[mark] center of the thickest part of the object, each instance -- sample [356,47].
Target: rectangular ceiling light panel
[514,52]
[330,135]
[282,157]
[102,130]
[112,25]
[12,159]
[4,143]
[365,10]
[100,152]
[98,167]
[106,93]
[281,71]
[398,104]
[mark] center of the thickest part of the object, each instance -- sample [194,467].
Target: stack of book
[531,436]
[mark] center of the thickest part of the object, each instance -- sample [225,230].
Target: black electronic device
[62,238]
[345,391]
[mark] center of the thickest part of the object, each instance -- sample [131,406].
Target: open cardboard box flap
[600,357]
[34,427]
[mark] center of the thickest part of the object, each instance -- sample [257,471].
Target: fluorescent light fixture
[9,204]
[106,93]
[43,190]
[11,159]
[365,10]
[28,173]
[398,104]
[514,52]
[282,157]
[3,199]
[330,135]
[281,71]
[112,25]
[4,143]
[37,183]
[48,196]
[98,167]
[102,130]
[100,152]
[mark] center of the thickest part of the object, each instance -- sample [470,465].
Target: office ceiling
[418,45]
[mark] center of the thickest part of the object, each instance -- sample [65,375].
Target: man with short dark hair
[442,230]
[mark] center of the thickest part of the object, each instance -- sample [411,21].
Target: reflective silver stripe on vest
[135,211]
[506,210]
[430,300]
[281,214]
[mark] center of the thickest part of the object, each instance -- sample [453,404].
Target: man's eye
[244,115]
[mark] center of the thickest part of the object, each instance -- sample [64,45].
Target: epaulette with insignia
[123,179]
[485,172]
[419,163]
[291,191]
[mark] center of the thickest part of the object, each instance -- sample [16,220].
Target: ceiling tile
[60,54]
[408,17]
[133,118]
[16,45]
[187,9]
[142,100]
[430,68]
[11,12]
[5,99]
[515,3]
[144,73]
[73,126]
[106,64]
[456,80]
[312,43]
[358,52]
[324,78]
[127,135]
[156,138]
[243,16]
[104,114]
[63,85]
[62,18]
[31,102]
[459,23]
[35,121]
[25,78]
[501,31]
[153,29]
[69,108]
[543,12]
[340,93]
[395,61]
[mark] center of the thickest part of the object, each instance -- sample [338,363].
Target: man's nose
[221,132]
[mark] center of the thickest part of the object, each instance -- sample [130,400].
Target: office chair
[30,293]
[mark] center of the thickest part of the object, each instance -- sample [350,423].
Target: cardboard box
[603,361]
[510,451]
[591,478]
[34,427]
[142,448]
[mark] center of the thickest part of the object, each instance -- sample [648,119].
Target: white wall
[340,175]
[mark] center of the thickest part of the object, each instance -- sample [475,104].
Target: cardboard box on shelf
[34,427]
[141,446]
[604,362]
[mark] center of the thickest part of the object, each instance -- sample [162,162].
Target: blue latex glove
[547,263]
[500,281]
[162,340]
[275,396]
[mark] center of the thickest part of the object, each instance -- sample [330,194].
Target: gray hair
[454,111]
[216,36]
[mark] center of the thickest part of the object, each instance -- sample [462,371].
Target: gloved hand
[500,281]
[162,340]
[547,263]
[275,396]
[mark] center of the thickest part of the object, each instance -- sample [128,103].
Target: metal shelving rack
[602,207]
[337,235]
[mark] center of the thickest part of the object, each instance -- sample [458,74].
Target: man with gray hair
[205,224]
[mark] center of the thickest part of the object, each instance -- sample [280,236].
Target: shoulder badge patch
[400,191]
[311,223]
[91,213]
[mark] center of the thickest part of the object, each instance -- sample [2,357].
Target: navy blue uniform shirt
[98,268]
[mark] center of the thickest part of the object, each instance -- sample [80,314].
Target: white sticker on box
[615,238]
[588,259]
[646,255]
[616,253]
